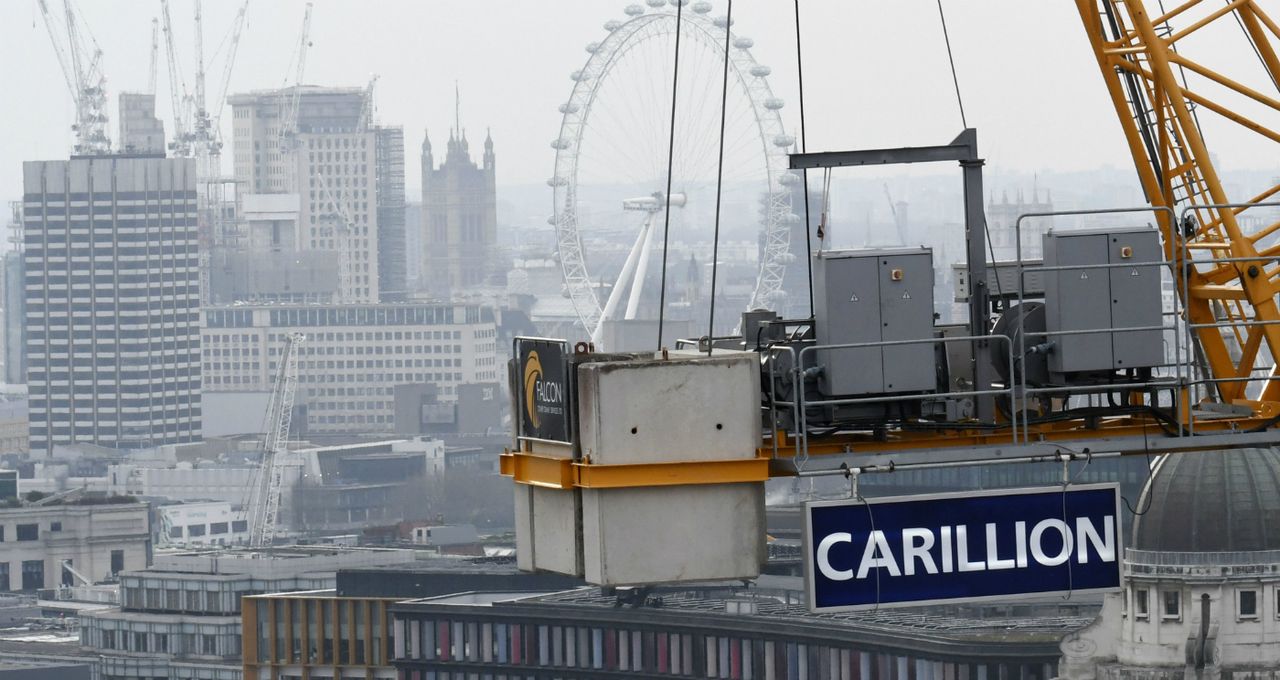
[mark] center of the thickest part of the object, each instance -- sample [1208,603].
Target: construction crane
[897,220]
[213,127]
[342,232]
[155,56]
[1226,274]
[366,111]
[290,101]
[262,511]
[181,144]
[82,68]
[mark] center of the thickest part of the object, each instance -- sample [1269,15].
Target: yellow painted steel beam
[566,473]
[1177,171]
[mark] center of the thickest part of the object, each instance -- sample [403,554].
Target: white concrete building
[200,523]
[353,357]
[1202,583]
[330,163]
[98,540]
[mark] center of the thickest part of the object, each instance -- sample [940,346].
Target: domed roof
[1211,501]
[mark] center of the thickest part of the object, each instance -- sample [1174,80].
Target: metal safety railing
[798,404]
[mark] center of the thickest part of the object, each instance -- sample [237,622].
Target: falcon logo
[532,376]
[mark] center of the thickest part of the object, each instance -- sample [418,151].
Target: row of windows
[1248,604]
[437,643]
[211,529]
[406,315]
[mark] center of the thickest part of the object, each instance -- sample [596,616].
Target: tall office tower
[15,302]
[112,298]
[459,217]
[328,155]
[140,131]
[392,276]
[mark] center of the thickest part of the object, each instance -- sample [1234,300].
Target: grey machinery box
[1124,295]
[863,296]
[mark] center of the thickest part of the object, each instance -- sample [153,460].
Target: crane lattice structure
[263,509]
[1226,272]
[290,101]
[81,64]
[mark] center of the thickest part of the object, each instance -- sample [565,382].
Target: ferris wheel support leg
[637,284]
[615,295]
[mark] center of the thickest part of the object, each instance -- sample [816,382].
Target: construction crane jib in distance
[263,508]
[81,64]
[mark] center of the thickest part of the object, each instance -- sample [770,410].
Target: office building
[347,172]
[180,618]
[346,631]
[354,356]
[140,131]
[392,267]
[97,538]
[719,632]
[112,299]
[459,217]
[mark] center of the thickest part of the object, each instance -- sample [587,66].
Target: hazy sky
[875,72]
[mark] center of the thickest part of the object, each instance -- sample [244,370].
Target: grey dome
[1211,501]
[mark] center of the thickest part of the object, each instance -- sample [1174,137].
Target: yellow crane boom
[1226,273]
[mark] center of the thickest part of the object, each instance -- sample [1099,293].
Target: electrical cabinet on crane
[1098,284]
[874,296]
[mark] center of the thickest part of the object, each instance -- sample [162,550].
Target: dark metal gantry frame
[963,150]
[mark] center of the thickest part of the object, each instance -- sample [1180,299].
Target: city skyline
[1010,101]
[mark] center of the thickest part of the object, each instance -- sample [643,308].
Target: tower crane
[181,144]
[213,125]
[343,234]
[263,508]
[1226,273]
[82,68]
[292,100]
[155,55]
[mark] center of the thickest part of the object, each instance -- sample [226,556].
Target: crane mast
[263,508]
[155,56]
[292,100]
[1225,271]
[181,144]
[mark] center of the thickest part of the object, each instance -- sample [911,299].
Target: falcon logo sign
[962,547]
[542,390]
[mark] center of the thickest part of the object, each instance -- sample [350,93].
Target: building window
[117,561]
[195,530]
[4,577]
[218,528]
[32,574]
[1247,604]
[175,532]
[1140,603]
[28,532]
[1172,605]
[55,526]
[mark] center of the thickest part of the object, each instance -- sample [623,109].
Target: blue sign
[913,550]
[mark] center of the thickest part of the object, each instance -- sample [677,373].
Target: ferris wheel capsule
[784,140]
[760,70]
[721,22]
[578,76]
[743,43]
[786,179]
[675,3]
[592,47]
[774,103]
[702,7]
[655,3]
[612,25]
[561,144]
[557,181]
[633,10]
[568,107]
